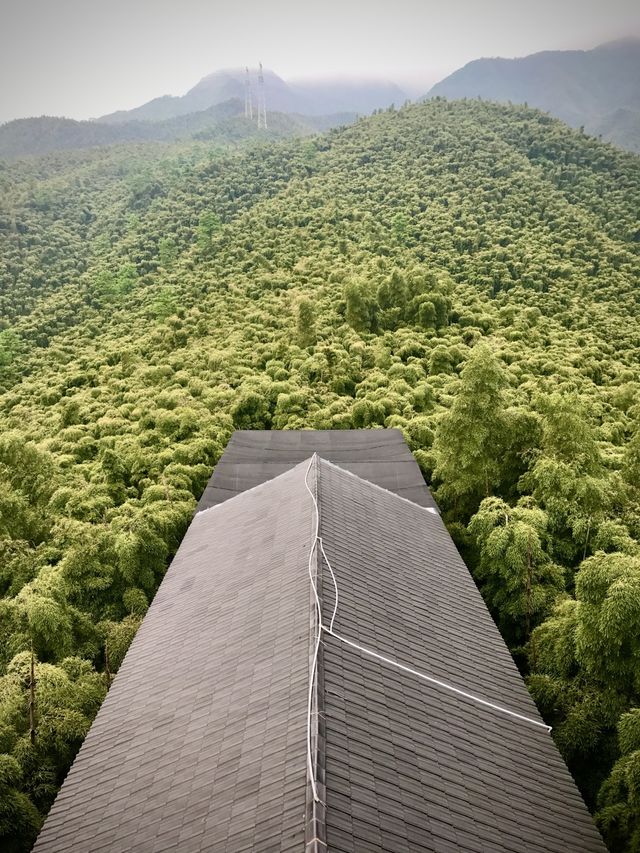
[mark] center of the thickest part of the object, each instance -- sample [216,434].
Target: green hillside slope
[464,271]
[223,122]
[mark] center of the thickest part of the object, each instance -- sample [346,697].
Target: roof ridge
[254,488]
[305,462]
[383,444]
[429,509]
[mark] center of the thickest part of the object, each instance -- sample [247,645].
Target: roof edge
[304,463]
[431,510]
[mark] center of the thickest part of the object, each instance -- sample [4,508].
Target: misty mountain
[597,89]
[305,97]
[224,122]
[341,94]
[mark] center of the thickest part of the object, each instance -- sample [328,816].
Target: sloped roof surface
[380,456]
[410,766]
[201,744]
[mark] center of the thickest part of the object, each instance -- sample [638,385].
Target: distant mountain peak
[317,96]
[598,89]
[623,43]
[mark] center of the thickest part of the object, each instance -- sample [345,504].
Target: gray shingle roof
[201,743]
[380,456]
[410,766]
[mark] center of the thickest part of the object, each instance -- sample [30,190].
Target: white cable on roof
[335,585]
[403,667]
[315,537]
[314,662]
[431,680]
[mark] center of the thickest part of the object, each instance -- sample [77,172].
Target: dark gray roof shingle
[201,741]
[409,765]
[380,456]
[201,744]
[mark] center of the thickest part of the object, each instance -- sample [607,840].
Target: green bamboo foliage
[520,582]
[470,440]
[465,272]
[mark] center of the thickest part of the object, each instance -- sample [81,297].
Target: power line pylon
[248,97]
[262,101]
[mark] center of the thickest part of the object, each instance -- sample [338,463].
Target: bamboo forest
[462,271]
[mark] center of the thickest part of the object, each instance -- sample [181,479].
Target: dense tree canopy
[464,272]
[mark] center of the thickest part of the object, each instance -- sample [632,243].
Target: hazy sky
[83,58]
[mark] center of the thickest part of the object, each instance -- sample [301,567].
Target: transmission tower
[248,97]
[262,101]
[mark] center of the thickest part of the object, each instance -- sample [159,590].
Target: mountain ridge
[597,90]
[43,135]
[218,98]
[306,97]
[584,88]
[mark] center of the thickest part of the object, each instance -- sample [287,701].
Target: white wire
[408,669]
[335,585]
[315,539]
[314,662]
[432,680]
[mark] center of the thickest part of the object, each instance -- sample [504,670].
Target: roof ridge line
[431,510]
[315,824]
[239,442]
[253,488]
[427,509]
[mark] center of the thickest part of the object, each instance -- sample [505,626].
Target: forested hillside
[225,123]
[464,271]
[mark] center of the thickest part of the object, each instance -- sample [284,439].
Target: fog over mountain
[597,89]
[308,97]
[213,109]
